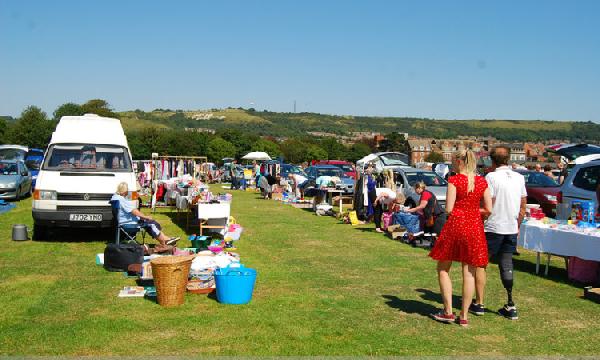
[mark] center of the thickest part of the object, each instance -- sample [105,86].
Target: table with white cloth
[331,194]
[214,216]
[554,241]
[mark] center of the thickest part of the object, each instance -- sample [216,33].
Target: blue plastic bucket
[235,284]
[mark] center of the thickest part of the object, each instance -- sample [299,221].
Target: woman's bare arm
[450,198]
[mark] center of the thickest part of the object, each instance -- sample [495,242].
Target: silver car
[407,177]
[15,180]
[581,184]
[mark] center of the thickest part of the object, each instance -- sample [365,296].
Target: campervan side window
[83,157]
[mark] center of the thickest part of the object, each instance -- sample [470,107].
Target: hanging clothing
[359,196]
[371,194]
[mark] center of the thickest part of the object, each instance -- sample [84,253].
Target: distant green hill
[299,124]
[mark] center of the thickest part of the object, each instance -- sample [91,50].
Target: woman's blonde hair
[388,178]
[122,188]
[400,198]
[420,185]
[470,166]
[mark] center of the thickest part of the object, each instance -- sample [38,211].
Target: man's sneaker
[509,312]
[476,309]
[441,316]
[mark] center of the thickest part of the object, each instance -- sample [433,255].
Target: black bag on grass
[117,257]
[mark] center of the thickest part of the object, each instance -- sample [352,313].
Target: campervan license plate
[85,217]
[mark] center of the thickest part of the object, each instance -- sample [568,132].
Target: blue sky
[438,59]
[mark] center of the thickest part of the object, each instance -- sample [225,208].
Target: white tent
[371,158]
[256,155]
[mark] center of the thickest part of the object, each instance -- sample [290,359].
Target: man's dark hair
[500,155]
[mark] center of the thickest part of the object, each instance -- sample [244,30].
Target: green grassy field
[323,288]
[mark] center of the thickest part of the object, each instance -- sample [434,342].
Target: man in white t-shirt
[298,182]
[509,198]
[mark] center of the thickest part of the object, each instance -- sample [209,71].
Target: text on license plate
[85,217]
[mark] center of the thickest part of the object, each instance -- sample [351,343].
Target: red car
[541,189]
[347,167]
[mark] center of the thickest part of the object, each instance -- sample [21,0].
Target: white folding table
[542,239]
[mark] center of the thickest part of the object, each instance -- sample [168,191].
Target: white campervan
[86,159]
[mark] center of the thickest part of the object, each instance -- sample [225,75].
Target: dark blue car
[33,160]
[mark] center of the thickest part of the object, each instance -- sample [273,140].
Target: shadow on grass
[181,221]
[409,306]
[558,274]
[370,230]
[422,308]
[79,235]
[429,295]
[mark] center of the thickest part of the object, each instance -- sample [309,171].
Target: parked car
[313,172]
[542,190]
[407,177]
[13,152]
[573,151]
[345,166]
[287,169]
[581,184]
[385,160]
[15,180]
[33,160]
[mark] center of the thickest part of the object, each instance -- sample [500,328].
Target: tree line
[34,128]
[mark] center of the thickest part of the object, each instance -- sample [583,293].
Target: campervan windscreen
[83,157]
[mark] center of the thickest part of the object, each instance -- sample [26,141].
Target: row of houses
[519,152]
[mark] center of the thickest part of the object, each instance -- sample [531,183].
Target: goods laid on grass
[169,271]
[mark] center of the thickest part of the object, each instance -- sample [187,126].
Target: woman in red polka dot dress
[462,238]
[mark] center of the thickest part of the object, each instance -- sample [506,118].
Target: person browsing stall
[509,198]
[462,238]
[298,184]
[548,171]
[385,197]
[128,214]
[430,208]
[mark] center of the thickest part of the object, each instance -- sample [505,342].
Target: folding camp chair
[129,231]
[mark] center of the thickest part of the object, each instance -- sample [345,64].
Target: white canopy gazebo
[256,155]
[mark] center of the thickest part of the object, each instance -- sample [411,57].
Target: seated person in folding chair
[128,214]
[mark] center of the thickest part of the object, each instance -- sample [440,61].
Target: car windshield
[80,157]
[33,159]
[345,167]
[394,159]
[536,179]
[329,172]
[12,154]
[429,178]
[7,168]
[33,164]
[292,169]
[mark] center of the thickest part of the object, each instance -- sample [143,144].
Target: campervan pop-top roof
[89,129]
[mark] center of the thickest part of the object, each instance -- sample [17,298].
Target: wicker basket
[170,278]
